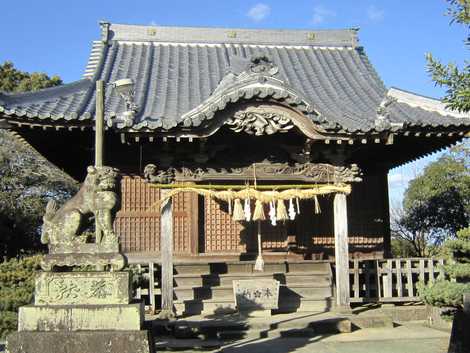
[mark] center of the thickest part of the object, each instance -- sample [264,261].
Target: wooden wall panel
[367,220]
[138,221]
[223,234]
[368,213]
[310,226]
[184,222]
[273,237]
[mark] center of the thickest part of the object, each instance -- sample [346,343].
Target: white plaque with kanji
[256,294]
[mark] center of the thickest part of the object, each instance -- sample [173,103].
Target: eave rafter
[13,124]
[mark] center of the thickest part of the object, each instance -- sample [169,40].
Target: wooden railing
[148,290]
[391,280]
[382,281]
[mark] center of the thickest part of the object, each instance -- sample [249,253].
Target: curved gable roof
[177,71]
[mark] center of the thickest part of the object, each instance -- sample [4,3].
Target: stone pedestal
[80,312]
[117,317]
[80,342]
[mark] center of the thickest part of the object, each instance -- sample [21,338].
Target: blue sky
[54,36]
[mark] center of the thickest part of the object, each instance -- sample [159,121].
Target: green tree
[436,204]
[14,80]
[450,293]
[27,180]
[456,80]
[16,289]
[402,248]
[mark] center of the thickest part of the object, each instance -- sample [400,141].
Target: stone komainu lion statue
[96,198]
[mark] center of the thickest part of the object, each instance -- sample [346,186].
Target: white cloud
[375,14]
[321,14]
[259,12]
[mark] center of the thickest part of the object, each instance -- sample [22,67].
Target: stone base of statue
[88,254]
[81,312]
[79,342]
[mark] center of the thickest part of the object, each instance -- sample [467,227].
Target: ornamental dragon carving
[95,199]
[154,175]
[259,121]
[302,172]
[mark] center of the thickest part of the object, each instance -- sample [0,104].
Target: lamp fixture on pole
[125,88]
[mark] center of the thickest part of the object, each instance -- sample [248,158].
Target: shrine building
[271,143]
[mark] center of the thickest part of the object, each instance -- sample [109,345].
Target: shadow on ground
[246,332]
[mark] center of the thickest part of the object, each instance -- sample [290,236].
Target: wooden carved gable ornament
[260,121]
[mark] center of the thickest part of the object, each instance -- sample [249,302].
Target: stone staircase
[209,333]
[206,288]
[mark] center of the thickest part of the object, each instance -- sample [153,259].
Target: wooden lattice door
[138,220]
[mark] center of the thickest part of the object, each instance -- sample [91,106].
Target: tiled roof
[181,73]
[63,102]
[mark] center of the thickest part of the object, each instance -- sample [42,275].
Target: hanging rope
[240,187]
[259,263]
[247,193]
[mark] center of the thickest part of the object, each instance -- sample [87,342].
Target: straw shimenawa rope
[254,194]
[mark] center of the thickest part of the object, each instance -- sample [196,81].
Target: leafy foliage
[459,10]
[459,270]
[450,293]
[456,80]
[439,199]
[14,80]
[8,322]
[436,204]
[16,289]
[27,180]
[402,248]
[444,293]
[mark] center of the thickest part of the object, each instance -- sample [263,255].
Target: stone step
[171,343]
[214,328]
[372,321]
[331,326]
[248,267]
[291,333]
[226,292]
[224,306]
[197,280]
[197,307]
[302,267]
[305,291]
[312,329]
[305,305]
[229,335]
[229,328]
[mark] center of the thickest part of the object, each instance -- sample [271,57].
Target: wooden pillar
[99,123]
[166,251]
[341,252]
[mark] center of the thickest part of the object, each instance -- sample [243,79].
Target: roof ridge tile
[322,37]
